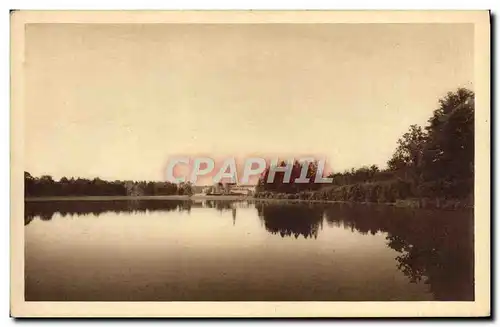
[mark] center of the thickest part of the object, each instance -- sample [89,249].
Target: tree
[374,169]
[29,183]
[185,189]
[449,156]
[406,161]
[279,185]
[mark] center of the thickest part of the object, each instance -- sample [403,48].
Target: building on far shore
[244,189]
[229,189]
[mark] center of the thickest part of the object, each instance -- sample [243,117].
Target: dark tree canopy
[46,186]
[435,161]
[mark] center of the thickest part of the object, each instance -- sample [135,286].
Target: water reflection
[45,210]
[436,247]
[291,219]
[433,247]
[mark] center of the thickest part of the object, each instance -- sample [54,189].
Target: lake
[171,250]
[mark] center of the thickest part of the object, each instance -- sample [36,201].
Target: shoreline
[137,198]
[183,198]
[398,204]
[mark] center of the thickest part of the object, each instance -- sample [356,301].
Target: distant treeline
[46,186]
[434,163]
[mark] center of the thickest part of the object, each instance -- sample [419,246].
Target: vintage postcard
[250,164]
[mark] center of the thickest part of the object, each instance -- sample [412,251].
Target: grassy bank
[397,193]
[272,197]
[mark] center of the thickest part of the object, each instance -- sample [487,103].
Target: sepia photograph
[250,164]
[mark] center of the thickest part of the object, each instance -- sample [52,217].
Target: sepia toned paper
[33,147]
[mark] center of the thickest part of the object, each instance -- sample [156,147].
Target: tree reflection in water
[291,219]
[434,247]
[46,209]
[219,205]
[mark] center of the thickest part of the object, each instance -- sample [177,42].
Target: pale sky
[116,101]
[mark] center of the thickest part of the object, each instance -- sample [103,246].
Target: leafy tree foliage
[432,162]
[185,189]
[449,157]
[279,184]
[439,161]
[46,186]
[407,159]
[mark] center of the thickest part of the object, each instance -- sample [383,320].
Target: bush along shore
[377,195]
[432,167]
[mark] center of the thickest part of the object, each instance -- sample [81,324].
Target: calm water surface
[165,250]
